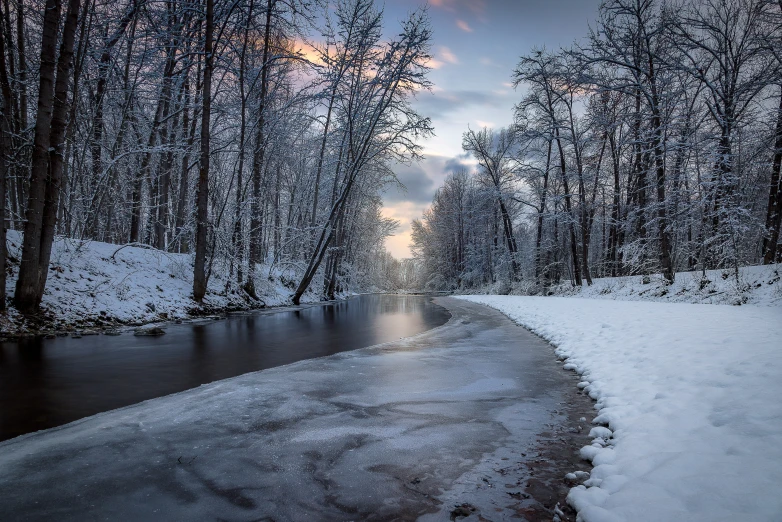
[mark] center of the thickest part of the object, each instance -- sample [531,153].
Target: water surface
[50,382]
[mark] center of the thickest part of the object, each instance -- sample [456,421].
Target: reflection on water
[49,382]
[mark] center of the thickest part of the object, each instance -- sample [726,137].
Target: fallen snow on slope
[690,395]
[131,284]
[756,285]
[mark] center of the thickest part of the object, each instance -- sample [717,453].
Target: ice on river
[689,396]
[398,430]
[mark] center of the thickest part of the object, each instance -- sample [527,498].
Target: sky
[476,46]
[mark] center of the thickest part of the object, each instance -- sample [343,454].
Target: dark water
[50,382]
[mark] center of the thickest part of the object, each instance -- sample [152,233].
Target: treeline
[244,132]
[654,146]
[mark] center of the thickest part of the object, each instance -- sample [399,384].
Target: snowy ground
[451,417]
[757,285]
[690,418]
[90,280]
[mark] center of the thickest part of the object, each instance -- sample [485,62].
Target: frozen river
[50,382]
[470,418]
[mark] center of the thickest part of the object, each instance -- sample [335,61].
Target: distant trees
[378,123]
[253,134]
[654,146]
[493,153]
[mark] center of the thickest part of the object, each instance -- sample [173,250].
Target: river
[50,382]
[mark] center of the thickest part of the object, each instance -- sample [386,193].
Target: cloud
[440,102]
[482,123]
[488,62]
[456,164]
[448,56]
[434,63]
[422,181]
[475,6]
[405,212]
[461,24]
[443,56]
[418,187]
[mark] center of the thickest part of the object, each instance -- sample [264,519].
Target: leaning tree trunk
[202,198]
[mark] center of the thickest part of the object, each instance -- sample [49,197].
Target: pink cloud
[461,24]
[476,6]
[448,56]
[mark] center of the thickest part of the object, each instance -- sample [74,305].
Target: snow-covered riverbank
[690,397]
[755,285]
[92,284]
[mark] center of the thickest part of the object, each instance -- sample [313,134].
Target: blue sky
[477,44]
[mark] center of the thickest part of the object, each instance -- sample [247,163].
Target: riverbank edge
[549,466]
[94,287]
[14,325]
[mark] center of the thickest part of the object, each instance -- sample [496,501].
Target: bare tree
[494,153]
[47,155]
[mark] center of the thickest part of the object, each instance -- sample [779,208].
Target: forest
[653,146]
[257,136]
[241,132]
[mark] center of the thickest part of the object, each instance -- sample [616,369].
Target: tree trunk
[276,213]
[568,208]
[772,251]
[541,213]
[510,240]
[5,135]
[614,238]
[22,71]
[143,171]
[57,143]
[256,232]
[188,127]
[202,197]
[237,238]
[662,212]
[585,225]
[16,192]
[26,294]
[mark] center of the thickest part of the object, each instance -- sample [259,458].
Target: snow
[755,285]
[131,284]
[689,423]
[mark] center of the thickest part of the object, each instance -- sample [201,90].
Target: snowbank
[690,417]
[757,285]
[94,283]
